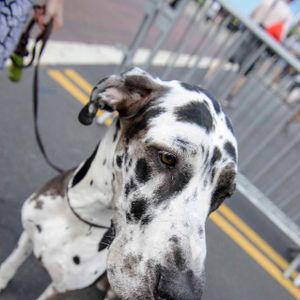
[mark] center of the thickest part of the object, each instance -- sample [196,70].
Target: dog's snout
[178,286]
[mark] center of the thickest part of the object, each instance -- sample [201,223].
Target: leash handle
[21,48]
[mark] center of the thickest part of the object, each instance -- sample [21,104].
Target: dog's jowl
[167,162]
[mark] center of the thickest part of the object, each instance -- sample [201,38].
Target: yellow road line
[255,238]
[86,86]
[73,90]
[69,86]
[255,254]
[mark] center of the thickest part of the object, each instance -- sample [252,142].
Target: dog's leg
[10,266]
[48,293]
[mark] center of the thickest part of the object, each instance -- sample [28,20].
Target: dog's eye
[167,159]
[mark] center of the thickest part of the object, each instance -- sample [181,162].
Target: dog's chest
[66,246]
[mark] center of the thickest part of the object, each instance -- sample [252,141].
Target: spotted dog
[167,163]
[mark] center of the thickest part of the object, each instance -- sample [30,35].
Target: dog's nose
[179,286]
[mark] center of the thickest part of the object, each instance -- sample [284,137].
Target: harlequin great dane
[161,169]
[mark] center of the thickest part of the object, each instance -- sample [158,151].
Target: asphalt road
[232,273]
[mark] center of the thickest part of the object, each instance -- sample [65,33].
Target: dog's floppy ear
[126,93]
[225,186]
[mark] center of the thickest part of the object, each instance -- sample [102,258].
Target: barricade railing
[253,77]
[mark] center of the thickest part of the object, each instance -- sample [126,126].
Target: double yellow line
[68,79]
[232,225]
[255,246]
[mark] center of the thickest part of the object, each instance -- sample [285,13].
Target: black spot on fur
[179,258]
[142,170]
[138,208]
[216,156]
[230,150]
[181,143]
[91,182]
[117,130]
[190,87]
[197,113]
[143,119]
[213,173]
[140,257]
[128,217]
[85,168]
[200,231]
[130,263]
[38,204]
[126,156]
[175,182]
[195,88]
[130,162]
[104,162]
[107,238]
[119,161]
[206,157]
[146,220]
[76,260]
[229,124]
[202,149]
[215,103]
[39,228]
[174,239]
[129,186]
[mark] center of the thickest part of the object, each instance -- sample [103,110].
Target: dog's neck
[90,190]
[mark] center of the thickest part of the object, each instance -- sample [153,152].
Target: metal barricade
[255,90]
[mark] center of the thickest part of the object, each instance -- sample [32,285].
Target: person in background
[14,15]
[272,15]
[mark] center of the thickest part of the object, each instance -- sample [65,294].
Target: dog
[167,162]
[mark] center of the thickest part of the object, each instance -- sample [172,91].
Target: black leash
[21,50]
[43,38]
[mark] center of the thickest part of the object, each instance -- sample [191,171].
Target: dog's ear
[126,93]
[225,186]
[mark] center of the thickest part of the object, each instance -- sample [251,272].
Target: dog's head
[175,163]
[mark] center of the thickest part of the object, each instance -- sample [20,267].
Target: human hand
[53,9]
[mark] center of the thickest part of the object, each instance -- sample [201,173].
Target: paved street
[246,254]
